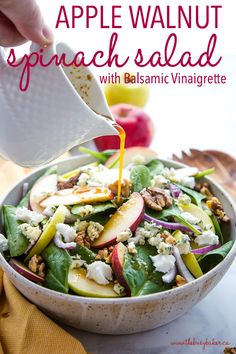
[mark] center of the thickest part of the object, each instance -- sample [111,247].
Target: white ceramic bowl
[124,315]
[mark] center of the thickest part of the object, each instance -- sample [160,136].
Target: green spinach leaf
[155,167]
[140,274]
[58,262]
[86,254]
[140,178]
[17,242]
[196,197]
[217,228]
[97,208]
[211,259]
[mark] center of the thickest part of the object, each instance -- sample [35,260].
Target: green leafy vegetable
[17,242]
[140,274]
[155,167]
[196,197]
[217,228]
[98,208]
[140,178]
[211,259]
[205,173]
[58,262]
[102,156]
[86,255]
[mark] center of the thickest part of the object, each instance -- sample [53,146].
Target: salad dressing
[122,136]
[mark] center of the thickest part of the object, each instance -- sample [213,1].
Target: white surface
[212,319]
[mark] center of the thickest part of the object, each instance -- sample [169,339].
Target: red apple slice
[26,272]
[43,186]
[130,153]
[118,260]
[74,196]
[128,216]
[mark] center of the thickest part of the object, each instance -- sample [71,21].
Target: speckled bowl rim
[122,300]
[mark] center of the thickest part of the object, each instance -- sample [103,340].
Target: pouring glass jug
[63,107]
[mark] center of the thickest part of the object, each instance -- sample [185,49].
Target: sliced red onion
[168,225]
[175,191]
[206,249]
[25,189]
[181,266]
[170,276]
[59,243]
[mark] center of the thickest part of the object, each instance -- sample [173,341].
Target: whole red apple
[136,123]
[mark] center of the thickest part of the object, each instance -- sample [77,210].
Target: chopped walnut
[180,280]
[229,350]
[125,187]
[204,189]
[37,266]
[156,198]
[105,254]
[171,240]
[217,208]
[82,239]
[70,183]
[87,232]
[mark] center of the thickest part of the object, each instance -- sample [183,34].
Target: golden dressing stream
[122,136]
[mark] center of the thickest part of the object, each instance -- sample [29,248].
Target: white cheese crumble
[147,231]
[163,263]
[3,243]
[184,199]
[94,230]
[49,211]
[119,289]
[191,219]
[165,248]
[80,225]
[183,245]
[155,240]
[31,232]
[83,179]
[177,177]
[100,272]
[159,181]
[77,262]
[132,248]
[28,216]
[85,210]
[207,238]
[124,236]
[67,232]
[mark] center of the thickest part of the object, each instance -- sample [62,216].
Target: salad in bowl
[72,234]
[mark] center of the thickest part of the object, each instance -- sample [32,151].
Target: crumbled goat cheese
[159,181]
[155,240]
[165,248]
[31,232]
[138,160]
[49,211]
[85,210]
[28,216]
[184,199]
[132,248]
[163,263]
[80,225]
[119,289]
[183,245]
[83,179]
[188,182]
[124,236]
[172,175]
[108,176]
[67,232]
[207,238]
[94,230]
[3,243]
[100,272]
[190,218]
[77,262]
[147,231]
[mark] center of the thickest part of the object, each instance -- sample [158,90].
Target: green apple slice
[81,285]
[49,232]
[200,214]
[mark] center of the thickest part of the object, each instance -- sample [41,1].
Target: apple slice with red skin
[147,154]
[25,272]
[128,216]
[45,184]
[118,260]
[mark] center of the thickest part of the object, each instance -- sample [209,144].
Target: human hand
[21,20]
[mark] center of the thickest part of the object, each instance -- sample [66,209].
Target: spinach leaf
[211,259]
[102,156]
[139,272]
[196,197]
[17,242]
[217,228]
[155,167]
[25,200]
[86,254]
[58,262]
[97,208]
[140,178]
